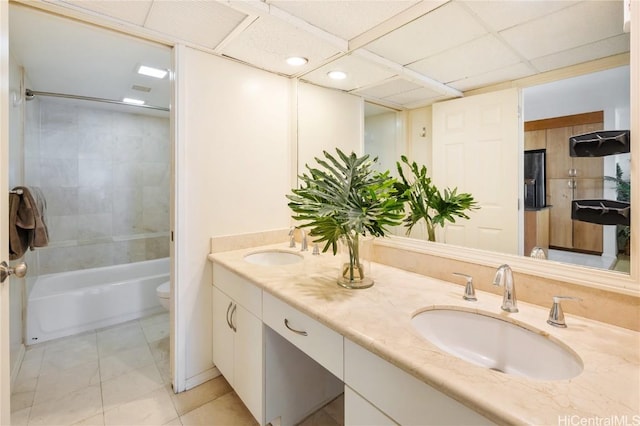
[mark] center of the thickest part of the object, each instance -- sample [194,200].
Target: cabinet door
[248,347]
[558,160]
[588,167]
[535,139]
[223,334]
[559,195]
[359,412]
[588,236]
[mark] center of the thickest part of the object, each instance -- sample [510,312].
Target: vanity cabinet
[379,382]
[238,336]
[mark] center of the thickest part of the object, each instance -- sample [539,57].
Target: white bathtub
[68,303]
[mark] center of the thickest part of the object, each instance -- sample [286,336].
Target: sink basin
[497,344]
[273,257]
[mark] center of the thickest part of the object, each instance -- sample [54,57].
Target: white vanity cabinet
[389,394]
[238,337]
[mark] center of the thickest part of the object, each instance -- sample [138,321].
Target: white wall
[327,119]
[381,139]
[232,170]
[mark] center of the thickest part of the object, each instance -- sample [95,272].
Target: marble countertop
[379,319]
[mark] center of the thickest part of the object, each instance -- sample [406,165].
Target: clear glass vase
[356,265]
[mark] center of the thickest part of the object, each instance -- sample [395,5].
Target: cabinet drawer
[319,342]
[239,289]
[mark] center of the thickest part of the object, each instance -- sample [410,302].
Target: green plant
[426,202]
[346,198]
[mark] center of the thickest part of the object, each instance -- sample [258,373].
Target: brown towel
[27,227]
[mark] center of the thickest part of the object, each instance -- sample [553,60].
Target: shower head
[28,94]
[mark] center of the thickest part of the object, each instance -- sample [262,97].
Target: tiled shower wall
[105,174]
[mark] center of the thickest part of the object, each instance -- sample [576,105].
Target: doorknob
[5,270]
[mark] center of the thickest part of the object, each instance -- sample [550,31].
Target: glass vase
[355,261]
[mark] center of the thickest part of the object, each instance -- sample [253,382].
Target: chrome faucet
[504,278]
[469,291]
[292,238]
[556,316]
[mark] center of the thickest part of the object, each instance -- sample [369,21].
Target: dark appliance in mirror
[535,178]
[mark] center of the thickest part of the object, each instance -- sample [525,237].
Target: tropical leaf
[426,202]
[345,196]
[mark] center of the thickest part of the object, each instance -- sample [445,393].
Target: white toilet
[164,294]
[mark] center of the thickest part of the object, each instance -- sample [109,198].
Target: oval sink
[497,344]
[273,257]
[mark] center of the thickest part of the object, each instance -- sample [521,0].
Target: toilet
[164,293]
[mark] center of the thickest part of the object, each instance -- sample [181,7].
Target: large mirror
[551,112]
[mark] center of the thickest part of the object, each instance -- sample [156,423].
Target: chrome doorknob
[5,270]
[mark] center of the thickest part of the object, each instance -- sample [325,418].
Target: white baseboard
[15,368]
[201,378]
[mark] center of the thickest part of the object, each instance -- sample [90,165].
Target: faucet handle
[469,292]
[556,316]
[316,249]
[292,238]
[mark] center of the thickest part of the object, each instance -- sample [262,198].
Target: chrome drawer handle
[228,317]
[286,324]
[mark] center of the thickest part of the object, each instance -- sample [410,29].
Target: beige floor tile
[78,342]
[120,338]
[200,395]
[154,408]
[33,353]
[125,361]
[66,358]
[21,417]
[55,384]
[319,418]
[160,349]
[162,317]
[173,422]
[21,400]
[97,420]
[156,331]
[228,410]
[164,367]
[69,409]
[130,386]
[29,369]
[336,409]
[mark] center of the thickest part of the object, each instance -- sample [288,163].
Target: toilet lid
[164,290]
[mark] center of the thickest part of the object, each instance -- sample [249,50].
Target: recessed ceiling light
[337,75]
[133,101]
[297,61]
[152,72]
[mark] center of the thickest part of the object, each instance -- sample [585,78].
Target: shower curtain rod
[31,93]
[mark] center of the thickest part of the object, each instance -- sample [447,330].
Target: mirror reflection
[549,177]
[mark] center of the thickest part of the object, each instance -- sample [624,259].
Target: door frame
[5,340]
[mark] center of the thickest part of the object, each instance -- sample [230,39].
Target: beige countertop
[379,319]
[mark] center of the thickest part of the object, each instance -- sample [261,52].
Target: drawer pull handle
[228,320]
[286,324]
[233,311]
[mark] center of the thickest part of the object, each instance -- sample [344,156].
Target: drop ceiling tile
[585,53]
[586,22]
[346,18]
[360,73]
[415,96]
[135,12]
[389,88]
[269,41]
[445,27]
[470,59]
[205,23]
[503,14]
[512,72]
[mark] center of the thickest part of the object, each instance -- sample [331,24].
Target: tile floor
[121,376]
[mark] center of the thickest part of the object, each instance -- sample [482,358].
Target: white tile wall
[106,175]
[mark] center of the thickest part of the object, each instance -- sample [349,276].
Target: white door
[477,144]
[5,370]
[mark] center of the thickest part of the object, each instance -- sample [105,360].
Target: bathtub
[69,303]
